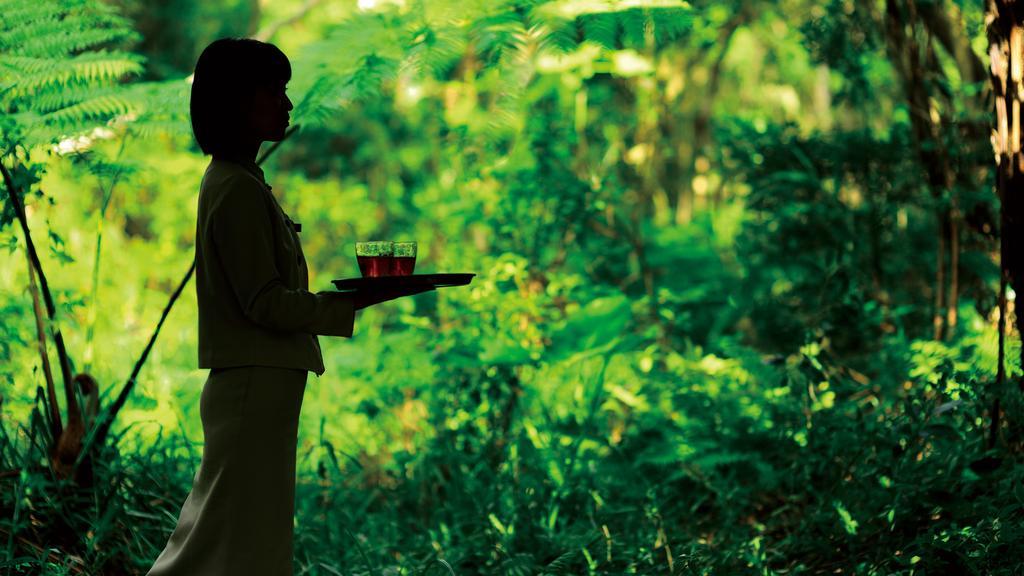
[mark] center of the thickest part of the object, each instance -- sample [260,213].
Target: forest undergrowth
[744,298]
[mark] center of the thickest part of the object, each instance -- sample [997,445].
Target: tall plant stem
[94,293]
[952,297]
[56,426]
[1001,369]
[74,413]
[938,314]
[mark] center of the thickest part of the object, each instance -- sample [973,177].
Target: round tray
[384,282]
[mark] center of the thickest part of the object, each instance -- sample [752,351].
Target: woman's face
[269,113]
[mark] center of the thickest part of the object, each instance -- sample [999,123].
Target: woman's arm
[242,232]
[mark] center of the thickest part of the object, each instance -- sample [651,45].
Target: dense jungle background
[738,296]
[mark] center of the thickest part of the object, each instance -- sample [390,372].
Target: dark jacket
[252,285]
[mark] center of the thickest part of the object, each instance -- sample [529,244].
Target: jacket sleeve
[243,236]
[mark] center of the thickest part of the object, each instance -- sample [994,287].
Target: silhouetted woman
[258,326]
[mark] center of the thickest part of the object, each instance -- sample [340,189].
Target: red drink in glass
[374,266]
[374,258]
[403,265]
[405,258]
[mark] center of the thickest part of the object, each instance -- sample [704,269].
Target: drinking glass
[404,261]
[375,258]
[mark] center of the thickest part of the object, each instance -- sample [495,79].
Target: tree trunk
[702,139]
[946,24]
[1006,42]
[905,53]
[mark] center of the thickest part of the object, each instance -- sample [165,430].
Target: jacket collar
[249,166]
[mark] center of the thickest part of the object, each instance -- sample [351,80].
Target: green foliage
[700,335]
[838,235]
[846,40]
[59,77]
[431,40]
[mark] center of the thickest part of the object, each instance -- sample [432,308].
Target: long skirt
[239,516]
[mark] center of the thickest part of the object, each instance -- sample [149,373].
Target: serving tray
[412,280]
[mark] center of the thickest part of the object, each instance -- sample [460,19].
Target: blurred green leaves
[700,335]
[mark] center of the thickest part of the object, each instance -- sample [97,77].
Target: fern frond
[495,35]
[358,37]
[155,128]
[319,102]
[626,24]
[21,65]
[48,29]
[52,45]
[500,37]
[601,29]
[636,25]
[157,108]
[672,23]
[60,69]
[17,13]
[350,64]
[53,101]
[434,51]
[367,79]
[84,69]
[556,37]
[96,108]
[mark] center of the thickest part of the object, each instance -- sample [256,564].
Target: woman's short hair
[227,73]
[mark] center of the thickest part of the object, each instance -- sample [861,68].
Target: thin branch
[291,130]
[98,434]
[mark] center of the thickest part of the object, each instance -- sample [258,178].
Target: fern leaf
[97,108]
[84,69]
[601,29]
[48,28]
[48,44]
[434,51]
[60,70]
[158,108]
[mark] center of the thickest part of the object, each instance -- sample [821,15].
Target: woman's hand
[365,300]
